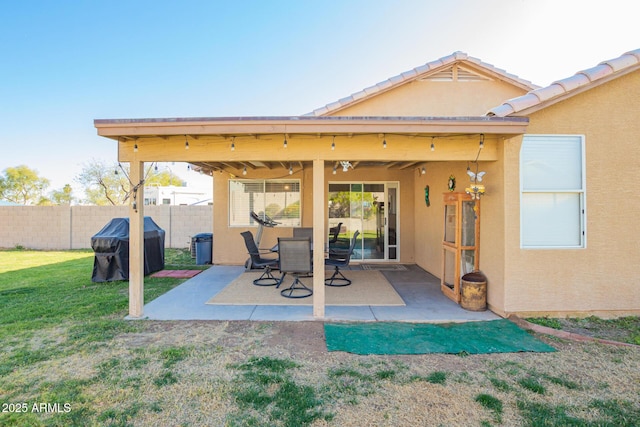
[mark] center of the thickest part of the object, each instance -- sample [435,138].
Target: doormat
[177,274]
[494,336]
[384,267]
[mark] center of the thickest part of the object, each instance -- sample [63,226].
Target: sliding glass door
[370,208]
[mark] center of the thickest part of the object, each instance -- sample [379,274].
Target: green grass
[491,403]
[546,321]
[267,395]
[40,289]
[51,309]
[613,413]
[532,384]
[437,377]
[625,329]
[48,296]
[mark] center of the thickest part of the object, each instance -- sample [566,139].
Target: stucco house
[541,179]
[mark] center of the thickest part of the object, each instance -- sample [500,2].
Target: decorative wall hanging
[426,196]
[452,183]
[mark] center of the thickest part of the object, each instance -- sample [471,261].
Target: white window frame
[558,191]
[251,223]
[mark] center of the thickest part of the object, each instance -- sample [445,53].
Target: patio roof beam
[350,126]
[360,148]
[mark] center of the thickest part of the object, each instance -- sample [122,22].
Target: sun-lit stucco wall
[436,98]
[601,279]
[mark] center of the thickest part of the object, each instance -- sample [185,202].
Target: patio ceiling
[237,167]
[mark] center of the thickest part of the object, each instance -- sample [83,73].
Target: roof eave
[236,126]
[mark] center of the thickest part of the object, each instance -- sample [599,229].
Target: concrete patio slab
[419,290]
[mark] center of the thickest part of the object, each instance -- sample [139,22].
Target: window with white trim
[552,190]
[279,199]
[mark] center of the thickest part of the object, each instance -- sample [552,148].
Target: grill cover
[111,247]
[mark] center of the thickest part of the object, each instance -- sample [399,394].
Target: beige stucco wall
[429,223]
[64,227]
[228,246]
[601,279]
[436,98]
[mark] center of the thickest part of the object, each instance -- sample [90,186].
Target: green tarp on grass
[495,336]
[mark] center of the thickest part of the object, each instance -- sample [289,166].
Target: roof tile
[384,85]
[523,102]
[573,82]
[622,62]
[548,92]
[628,61]
[502,110]
[597,72]
[409,74]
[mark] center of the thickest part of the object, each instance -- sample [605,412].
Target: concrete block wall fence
[71,227]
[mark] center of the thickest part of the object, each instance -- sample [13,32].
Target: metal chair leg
[337,279]
[267,279]
[296,286]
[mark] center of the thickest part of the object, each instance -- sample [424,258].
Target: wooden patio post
[318,239]
[136,240]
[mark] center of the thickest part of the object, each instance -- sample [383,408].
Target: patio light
[433,147]
[423,171]
[333,143]
[481,140]
[284,144]
[333,172]
[186,143]
[244,171]
[290,170]
[233,144]
[135,148]
[384,143]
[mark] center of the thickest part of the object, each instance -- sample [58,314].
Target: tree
[163,179]
[64,196]
[109,184]
[104,184]
[22,185]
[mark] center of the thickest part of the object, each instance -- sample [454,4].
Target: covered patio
[394,148]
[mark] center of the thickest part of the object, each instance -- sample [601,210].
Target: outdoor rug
[494,336]
[367,288]
[384,267]
[177,274]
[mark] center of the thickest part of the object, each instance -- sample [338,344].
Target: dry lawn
[189,373]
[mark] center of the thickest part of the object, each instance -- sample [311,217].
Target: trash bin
[473,291]
[203,243]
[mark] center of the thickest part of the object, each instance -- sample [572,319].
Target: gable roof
[565,88]
[439,69]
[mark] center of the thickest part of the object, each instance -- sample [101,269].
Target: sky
[65,63]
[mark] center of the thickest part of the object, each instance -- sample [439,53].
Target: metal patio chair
[257,261]
[334,232]
[340,260]
[303,232]
[295,258]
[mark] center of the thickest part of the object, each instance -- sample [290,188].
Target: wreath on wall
[452,183]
